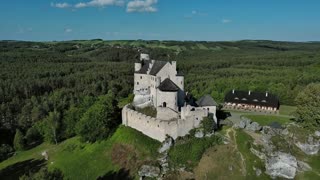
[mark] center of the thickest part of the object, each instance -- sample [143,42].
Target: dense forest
[49,91]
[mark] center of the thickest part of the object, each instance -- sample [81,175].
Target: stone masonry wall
[156,128]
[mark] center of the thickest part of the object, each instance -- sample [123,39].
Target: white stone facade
[157,84]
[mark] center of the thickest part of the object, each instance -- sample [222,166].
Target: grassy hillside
[127,149]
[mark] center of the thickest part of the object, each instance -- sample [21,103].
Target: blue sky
[210,20]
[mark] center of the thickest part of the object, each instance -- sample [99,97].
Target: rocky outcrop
[309,148]
[166,144]
[253,127]
[281,165]
[260,155]
[302,166]
[248,125]
[149,171]
[199,133]
[163,150]
[317,133]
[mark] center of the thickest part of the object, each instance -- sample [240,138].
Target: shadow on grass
[122,174]
[16,170]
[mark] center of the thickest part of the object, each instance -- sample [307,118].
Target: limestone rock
[167,143]
[259,154]
[302,166]
[317,133]
[285,132]
[254,126]
[310,149]
[240,125]
[199,133]
[281,165]
[209,134]
[45,155]
[149,171]
[258,172]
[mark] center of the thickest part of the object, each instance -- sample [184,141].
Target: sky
[203,20]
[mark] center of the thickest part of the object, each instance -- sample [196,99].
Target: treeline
[53,91]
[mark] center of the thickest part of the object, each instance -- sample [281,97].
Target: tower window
[140,77]
[137,83]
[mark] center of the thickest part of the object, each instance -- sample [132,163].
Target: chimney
[266,94]
[144,57]
[174,64]
[137,66]
[232,91]
[249,92]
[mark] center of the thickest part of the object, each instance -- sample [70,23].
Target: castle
[157,84]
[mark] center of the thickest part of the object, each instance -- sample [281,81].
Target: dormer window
[244,99]
[255,100]
[264,101]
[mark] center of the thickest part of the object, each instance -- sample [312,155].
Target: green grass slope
[127,148]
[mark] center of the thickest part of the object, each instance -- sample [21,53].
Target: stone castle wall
[156,128]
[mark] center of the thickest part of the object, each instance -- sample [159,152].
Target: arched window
[164,104]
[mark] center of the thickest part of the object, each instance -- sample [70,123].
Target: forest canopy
[49,91]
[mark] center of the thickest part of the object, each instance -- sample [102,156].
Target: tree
[53,124]
[33,136]
[100,119]
[208,124]
[5,151]
[308,106]
[18,141]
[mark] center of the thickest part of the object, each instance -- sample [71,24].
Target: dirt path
[234,139]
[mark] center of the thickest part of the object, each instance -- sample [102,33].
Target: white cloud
[60,5]
[132,5]
[225,21]
[142,6]
[67,30]
[100,3]
[80,5]
[194,12]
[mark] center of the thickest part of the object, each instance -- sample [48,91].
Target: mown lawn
[79,160]
[265,120]
[287,110]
